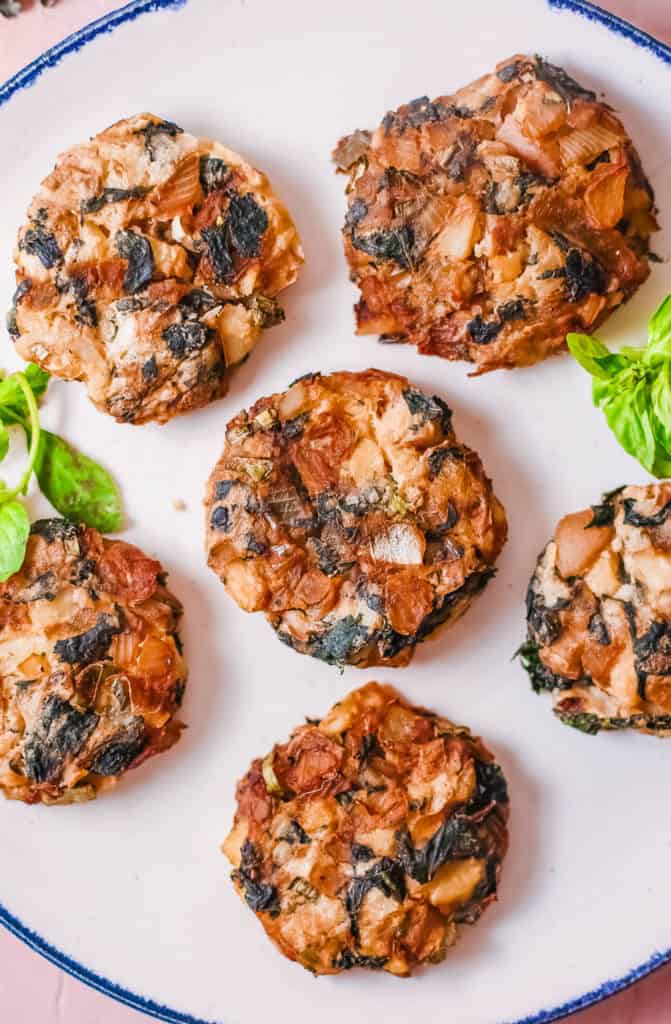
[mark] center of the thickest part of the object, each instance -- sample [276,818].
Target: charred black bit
[197,301]
[213,173]
[260,895]
[92,645]
[387,876]
[474,583]
[293,428]
[328,558]
[340,641]
[150,369]
[633,518]
[602,158]
[361,852]
[490,787]
[562,82]
[528,181]
[55,529]
[437,532]
[481,331]
[223,488]
[220,518]
[11,323]
[137,250]
[512,310]
[247,223]
[266,312]
[357,210]
[23,289]
[85,310]
[61,731]
[394,245]
[543,622]
[598,629]
[439,456]
[461,157]
[296,834]
[42,244]
[602,515]
[419,112]
[584,276]
[456,839]
[217,243]
[510,71]
[153,130]
[43,588]
[118,753]
[429,408]
[369,747]
[187,338]
[254,546]
[652,653]
[111,195]
[346,960]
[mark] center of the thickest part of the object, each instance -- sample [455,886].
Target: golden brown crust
[599,614]
[486,225]
[347,511]
[148,267]
[91,671]
[366,839]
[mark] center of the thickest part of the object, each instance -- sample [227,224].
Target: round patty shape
[148,267]
[348,512]
[599,614]
[486,225]
[368,837]
[91,674]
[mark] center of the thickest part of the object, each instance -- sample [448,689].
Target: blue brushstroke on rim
[78,40]
[27,76]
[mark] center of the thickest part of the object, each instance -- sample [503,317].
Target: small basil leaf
[659,333]
[4,441]
[14,531]
[77,486]
[589,351]
[628,417]
[660,395]
[13,408]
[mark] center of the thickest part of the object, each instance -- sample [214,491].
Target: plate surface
[134,887]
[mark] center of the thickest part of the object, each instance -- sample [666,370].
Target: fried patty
[149,265]
[368,837]
[346,509]
[599,614]
[91,674]
[486,225]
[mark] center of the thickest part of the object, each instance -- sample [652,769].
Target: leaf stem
[35,431]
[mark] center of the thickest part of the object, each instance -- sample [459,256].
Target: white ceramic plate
[131,893]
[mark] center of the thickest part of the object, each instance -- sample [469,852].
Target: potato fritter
[368,837]
[347,511]
[91,674]
[486,225]
[148,267]
[599,614]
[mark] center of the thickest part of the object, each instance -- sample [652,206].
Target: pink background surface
[31,990]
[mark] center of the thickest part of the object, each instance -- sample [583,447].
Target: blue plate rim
[28,76]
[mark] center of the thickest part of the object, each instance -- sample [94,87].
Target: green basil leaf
[588,351]
[660,395]
[14,531]
[77,486]
[659,333]
[4,441]
[13,408]
[627,414]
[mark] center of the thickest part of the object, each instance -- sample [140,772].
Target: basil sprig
[75,485]
[632,387]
